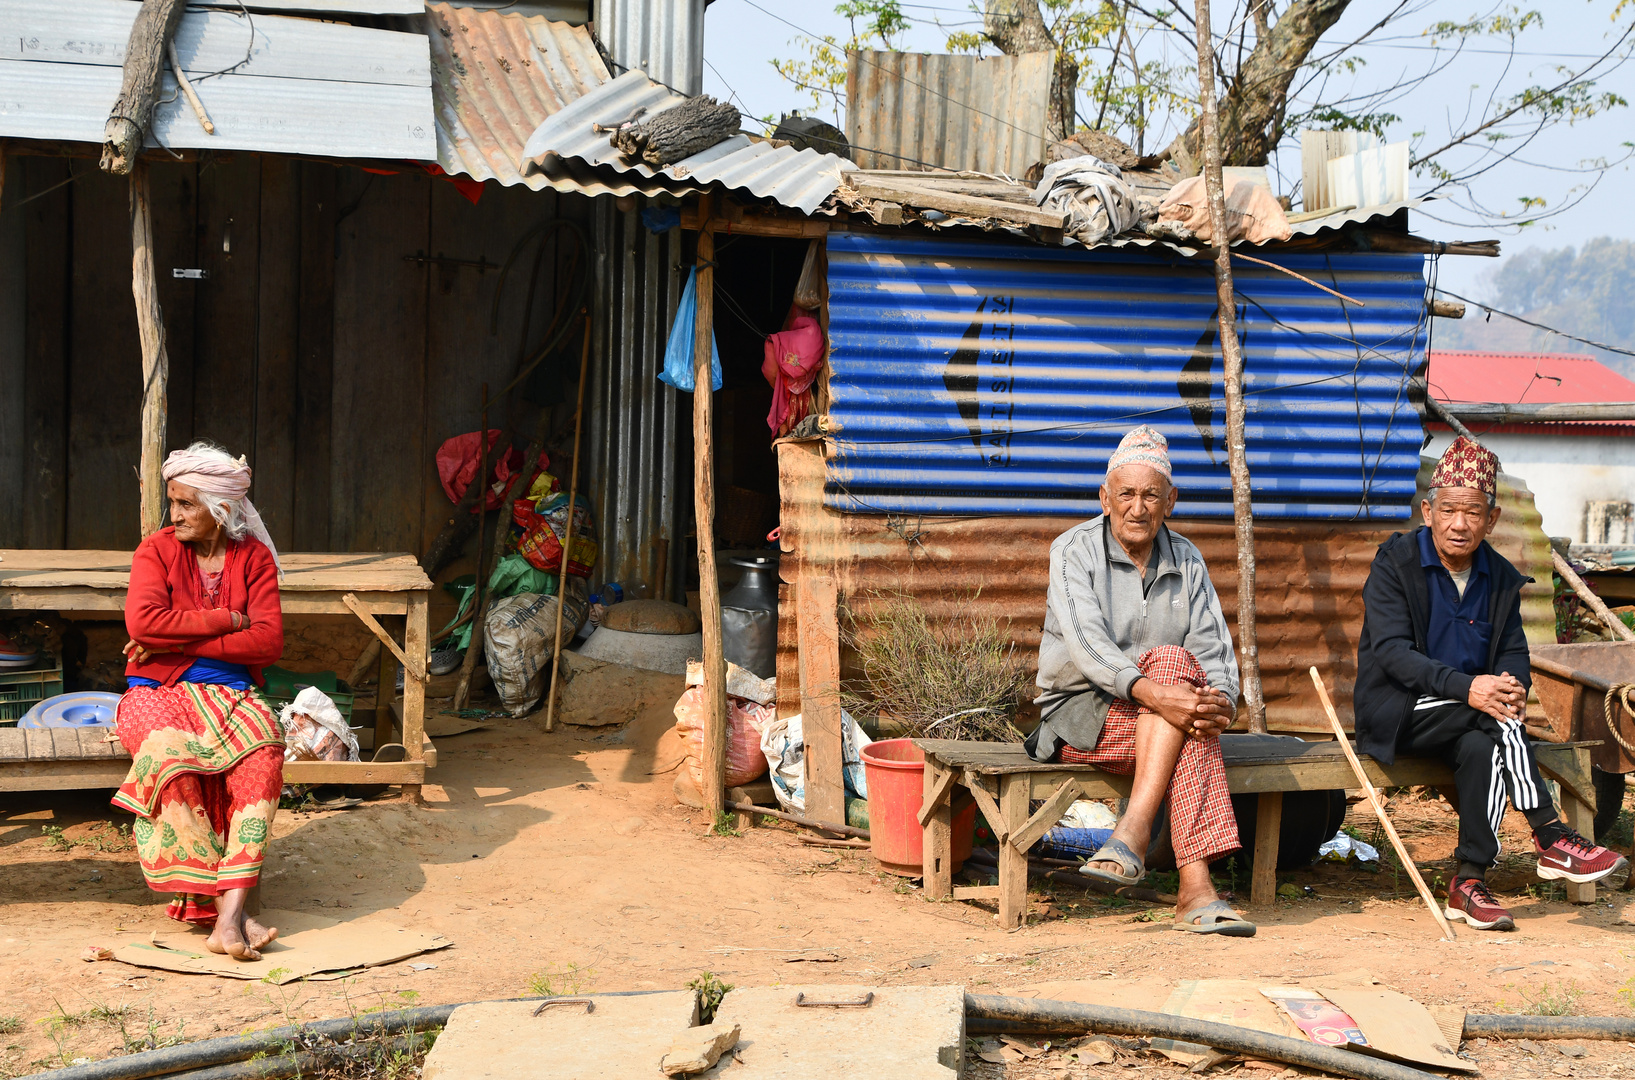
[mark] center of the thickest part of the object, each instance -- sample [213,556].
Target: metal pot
[749,616]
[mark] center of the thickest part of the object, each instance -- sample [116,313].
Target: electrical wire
[1540,326]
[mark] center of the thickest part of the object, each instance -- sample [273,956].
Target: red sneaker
[1573,858]
[1470,901]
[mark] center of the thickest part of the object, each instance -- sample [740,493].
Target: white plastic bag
[785,751]
[314,729]
[519,633]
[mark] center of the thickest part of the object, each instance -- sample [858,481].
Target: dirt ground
[561,863]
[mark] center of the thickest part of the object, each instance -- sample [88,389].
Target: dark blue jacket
[1393,667]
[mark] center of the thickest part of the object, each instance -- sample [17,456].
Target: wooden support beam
[1581,412]
[938,781]
[1046,816]
[986,801]
[709,584]
[1013,864]
[774,226]
[818,642]
[415,666]
[937,837]
[1268,832]
[964,205]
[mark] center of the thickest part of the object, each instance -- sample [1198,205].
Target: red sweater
[165,608]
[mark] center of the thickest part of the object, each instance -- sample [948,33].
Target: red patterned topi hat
[1467,464]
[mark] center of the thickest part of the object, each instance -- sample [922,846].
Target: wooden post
[818,641]
[1243,513]
[1014,790]
[1268,835]
[567,539]
[150,324]
[132,113]
[709,586]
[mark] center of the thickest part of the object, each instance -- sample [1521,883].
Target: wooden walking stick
[1379,810]
[567,536]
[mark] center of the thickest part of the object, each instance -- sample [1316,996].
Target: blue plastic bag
[678,353]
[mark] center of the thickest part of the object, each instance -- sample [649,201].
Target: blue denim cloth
[219,672]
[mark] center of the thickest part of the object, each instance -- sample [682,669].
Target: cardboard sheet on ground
[1238,1002]
[441,725]
[308,947]
[1397,1026]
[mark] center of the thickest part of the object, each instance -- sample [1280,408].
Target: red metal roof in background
[1458,376]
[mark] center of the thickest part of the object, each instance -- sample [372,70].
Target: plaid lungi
[1202,824]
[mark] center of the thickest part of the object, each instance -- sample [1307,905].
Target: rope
[1621,692]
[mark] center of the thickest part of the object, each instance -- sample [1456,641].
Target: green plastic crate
[282,686]
[20,691]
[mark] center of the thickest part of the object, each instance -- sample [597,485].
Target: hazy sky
[741,38]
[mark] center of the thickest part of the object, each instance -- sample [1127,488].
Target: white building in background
[1582,475]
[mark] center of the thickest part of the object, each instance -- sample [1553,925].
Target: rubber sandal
[1216,917]
[1116,851]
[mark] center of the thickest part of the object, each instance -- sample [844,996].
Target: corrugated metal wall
[1308,592]
[664,38]
[996,378]
[904,110]
[631,418]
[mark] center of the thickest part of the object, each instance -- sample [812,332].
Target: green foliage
[10,1025]
[724,825]
[710,990]
[101,836]
[822,73]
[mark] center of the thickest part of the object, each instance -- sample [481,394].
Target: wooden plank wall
[321,345]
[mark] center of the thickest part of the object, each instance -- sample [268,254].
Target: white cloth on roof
[1092,193]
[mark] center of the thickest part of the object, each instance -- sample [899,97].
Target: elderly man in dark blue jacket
[1442,671]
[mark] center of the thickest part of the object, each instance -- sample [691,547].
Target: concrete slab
[503,1040]
[906,1033]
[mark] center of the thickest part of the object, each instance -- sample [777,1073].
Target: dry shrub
[958,678]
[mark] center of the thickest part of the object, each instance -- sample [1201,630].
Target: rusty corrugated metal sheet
[496,77]
[987,114]
[1309,578]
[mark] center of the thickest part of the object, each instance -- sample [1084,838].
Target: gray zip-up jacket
[1100,616]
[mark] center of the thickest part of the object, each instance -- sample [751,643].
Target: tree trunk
[127,125]
[1253,108]
[150,326]
[1016,27]
[674,134]
[1243,511]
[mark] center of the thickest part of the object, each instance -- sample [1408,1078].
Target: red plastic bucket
[896,776]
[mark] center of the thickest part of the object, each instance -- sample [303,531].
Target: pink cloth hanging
[793,357]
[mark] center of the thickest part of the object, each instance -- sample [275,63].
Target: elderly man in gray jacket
[1138,677]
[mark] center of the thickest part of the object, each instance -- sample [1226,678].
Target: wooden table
[1003,781]
[315,583]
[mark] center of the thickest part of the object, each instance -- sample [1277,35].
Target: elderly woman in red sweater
[207,750]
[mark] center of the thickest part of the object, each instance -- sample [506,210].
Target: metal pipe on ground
[1082,1019]
[308,1062]
[806,823]
[1075,879]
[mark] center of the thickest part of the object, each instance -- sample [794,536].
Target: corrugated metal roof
[1457,376]
[308,87]
[1354,216]
[1308,584]
[498,76]
[961,112]
[973,378]
[573,156]
[664,38]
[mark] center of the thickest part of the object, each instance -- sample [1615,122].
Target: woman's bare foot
[259,936]
[228,939]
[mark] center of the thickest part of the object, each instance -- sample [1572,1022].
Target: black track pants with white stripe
[1490,761]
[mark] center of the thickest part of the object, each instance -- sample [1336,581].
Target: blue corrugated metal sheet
[980,378]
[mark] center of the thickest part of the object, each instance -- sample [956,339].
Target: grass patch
[10,1025]
[1558,1000]
[101,836]
[560,981]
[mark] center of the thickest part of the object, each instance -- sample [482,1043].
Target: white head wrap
[218,477]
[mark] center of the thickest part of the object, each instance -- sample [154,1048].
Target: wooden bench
[1003,781]
[366,585]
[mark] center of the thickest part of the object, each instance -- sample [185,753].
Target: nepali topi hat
[1143,446]
[1467,464]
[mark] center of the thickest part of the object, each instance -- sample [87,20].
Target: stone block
[503,1040]
[696,1049]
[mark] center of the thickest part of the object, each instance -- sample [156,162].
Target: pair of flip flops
[1215,917]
